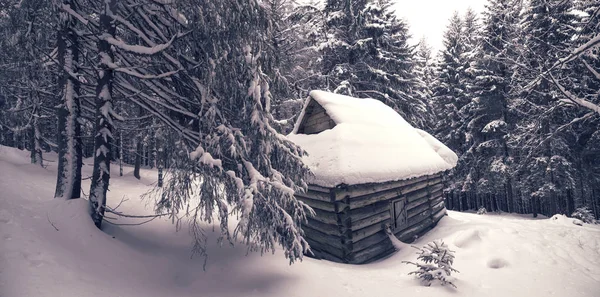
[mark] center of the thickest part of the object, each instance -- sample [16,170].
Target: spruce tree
[367,55]
[546,167]
[492,119]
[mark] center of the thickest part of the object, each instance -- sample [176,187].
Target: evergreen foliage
[366,54]
[205,91]
[434,263]
[585,215]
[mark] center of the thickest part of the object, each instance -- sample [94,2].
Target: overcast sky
[429,18]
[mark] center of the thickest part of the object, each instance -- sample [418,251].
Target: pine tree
[367,55]
[547,168]
[26,86]
[426,76]
[491,117]
[436,260]
[449,93]
[453,97]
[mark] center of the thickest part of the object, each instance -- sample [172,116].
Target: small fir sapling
[434,263]
[481,210]
[584,214]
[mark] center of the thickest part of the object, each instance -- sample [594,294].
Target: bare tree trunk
[120,152]
[104,119]
[138,159]
[37,138]
[160,166]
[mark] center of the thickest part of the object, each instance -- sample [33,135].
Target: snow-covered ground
[50,247]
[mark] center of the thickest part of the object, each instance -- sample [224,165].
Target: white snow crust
[371,143]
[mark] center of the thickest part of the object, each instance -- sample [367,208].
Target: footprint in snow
[468,238]
[4,217]
[497,263]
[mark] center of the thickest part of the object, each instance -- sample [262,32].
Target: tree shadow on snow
[229,270]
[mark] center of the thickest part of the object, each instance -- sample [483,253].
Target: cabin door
[398,209]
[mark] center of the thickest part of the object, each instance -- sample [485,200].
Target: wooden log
[416,219]
[322,238]
[435,199]
[317,117]
[408,234]
[436,195]
[319,127]
[329,229]
[439,215]
[417,203]
[437,188]
[369,210]
[371,252]
[316,188]
[326,206]
[415,191]
[318,246]
[375,197]
[325,216]
[417,210]
[314,195]
[380,256]
[360,234]
[322,254]
[365,189]
[416,195]
[414,187]
[315,123]
[368,221]
[369,241]
[437,207]
[416,228]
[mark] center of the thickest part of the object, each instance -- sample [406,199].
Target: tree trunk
[37,138]
[138,159]
[570,202]
[104,120]
[160,166]
[534,206]
[510,199]
[120,152]
[70,159]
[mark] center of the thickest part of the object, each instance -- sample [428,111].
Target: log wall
[350,220]
[315,119]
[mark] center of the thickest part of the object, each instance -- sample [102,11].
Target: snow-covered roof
[370,143]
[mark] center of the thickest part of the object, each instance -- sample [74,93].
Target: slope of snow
[371,143]
[49,247]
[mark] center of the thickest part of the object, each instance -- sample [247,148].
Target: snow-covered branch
[137,49]
[581,102]
[67,8]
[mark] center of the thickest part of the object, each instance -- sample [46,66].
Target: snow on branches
[434,263]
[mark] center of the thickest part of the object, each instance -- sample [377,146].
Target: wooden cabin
[372,170]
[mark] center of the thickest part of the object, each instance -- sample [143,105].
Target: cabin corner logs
[350,220]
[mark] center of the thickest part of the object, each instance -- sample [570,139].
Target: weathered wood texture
[315,119]
[349,221]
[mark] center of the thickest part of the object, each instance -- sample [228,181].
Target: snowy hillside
[51,248]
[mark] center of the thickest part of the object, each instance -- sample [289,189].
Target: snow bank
[497,255]
[371,143]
